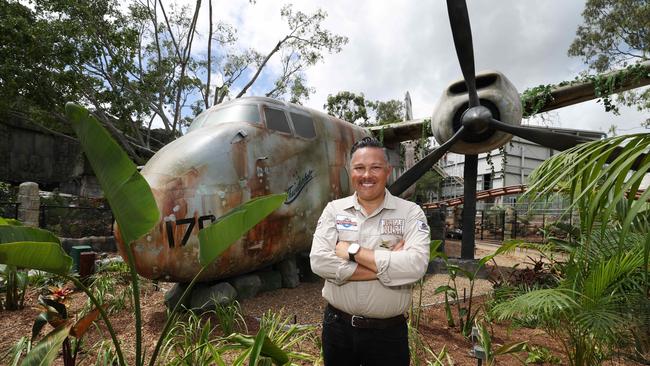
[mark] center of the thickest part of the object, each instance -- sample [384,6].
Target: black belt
[358,321]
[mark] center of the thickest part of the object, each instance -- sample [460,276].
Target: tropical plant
[466,315]
[274,342]
[602,299]
[191,341]
[229,316]
[136,213]
[15,279]
[489,351]
[56,314]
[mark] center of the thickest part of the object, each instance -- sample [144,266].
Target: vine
[534,99]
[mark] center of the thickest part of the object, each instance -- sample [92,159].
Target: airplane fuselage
[232,153]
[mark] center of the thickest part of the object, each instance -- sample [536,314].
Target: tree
[348,106]
[139,61]
[615,34]
[354,108]
[390,111]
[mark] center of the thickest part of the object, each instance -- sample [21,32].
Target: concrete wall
[31,153]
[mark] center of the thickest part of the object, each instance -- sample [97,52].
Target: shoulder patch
[422,226]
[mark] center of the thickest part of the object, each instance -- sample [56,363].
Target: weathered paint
[215,168]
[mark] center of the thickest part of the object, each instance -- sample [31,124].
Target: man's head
[370,169]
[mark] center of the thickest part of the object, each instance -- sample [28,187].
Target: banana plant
[136,213]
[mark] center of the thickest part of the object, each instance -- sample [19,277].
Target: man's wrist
[353,249]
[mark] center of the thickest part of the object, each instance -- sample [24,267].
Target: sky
[406,45]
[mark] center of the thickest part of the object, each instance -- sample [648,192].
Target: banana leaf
[127,192]
[12,234]
[216,238]
[47,349]
[48,257]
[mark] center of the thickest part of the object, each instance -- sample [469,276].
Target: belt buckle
[358,318]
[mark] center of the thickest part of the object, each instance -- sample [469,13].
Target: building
[512,167]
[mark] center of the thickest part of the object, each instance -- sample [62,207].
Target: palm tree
[600,306]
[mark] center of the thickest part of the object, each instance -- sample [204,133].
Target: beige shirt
[394,220]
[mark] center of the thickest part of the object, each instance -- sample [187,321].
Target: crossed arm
[404,264]
[366,267]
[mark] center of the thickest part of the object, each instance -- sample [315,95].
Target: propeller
[475,121]
[462,33]
[416,171]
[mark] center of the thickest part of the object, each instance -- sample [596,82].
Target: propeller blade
[412,175]
[542,136]
[462,33]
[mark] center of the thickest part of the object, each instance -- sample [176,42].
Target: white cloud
[406,45]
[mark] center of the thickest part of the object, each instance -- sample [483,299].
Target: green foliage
[15,353]
[601,300]
[216,238]
[6,192]
[490,350]
[354,108]
[115,169]
[386,112]
[135,61]
[191,341]
[464,312]
[347,106]
[22,246]
[125,189]
[614,34]
[47,349]
[229,317]
[541,355]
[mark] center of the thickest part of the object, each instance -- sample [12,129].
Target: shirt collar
[389,201]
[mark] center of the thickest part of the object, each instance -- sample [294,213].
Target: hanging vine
[534,99]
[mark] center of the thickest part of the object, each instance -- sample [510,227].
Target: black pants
[344,345]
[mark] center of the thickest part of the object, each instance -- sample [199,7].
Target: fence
[68,221]
[530,224]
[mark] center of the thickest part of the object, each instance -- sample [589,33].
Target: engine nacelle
[496,93]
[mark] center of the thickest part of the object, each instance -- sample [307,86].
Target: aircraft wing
[393,133]
[560,96]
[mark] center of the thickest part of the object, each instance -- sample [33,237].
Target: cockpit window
[276,120]
[304,125]
[236,113]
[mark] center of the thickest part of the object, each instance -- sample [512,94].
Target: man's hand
[342,250]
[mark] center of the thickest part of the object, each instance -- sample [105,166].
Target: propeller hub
[477,119]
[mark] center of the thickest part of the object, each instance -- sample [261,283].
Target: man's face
[370,172]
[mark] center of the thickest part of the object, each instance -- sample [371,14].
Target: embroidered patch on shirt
[392,226]
[346,223]
[422,226]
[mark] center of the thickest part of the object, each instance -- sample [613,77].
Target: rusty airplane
[255,146]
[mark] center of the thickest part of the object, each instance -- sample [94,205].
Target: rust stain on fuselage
[206,173]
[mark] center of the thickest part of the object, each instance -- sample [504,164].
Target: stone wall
[32,154]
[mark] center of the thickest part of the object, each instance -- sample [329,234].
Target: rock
[204,297]
[289,271]
[29,204]
[173,295]
[271,280]
[247,286]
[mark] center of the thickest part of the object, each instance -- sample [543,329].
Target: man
[369,247]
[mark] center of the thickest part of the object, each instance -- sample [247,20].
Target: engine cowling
[496,93]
